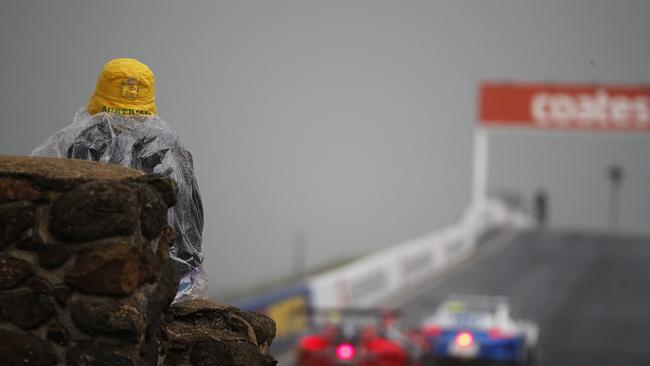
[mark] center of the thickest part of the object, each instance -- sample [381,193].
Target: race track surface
[589,293]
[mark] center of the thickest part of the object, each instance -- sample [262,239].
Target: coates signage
[573,106]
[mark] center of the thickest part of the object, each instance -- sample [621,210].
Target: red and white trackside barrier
[375,278]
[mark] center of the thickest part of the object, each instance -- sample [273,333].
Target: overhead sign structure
[615,108]
[565,106]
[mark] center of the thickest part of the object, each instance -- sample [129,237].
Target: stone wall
[86,279]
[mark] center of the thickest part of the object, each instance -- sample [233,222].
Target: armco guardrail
[373,279]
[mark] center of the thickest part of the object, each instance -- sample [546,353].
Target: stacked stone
[86,278]
[85,273]
[202,332]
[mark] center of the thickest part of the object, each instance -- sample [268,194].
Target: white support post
[480,169]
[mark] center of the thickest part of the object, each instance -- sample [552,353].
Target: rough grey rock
[153,214]
[99,354]
[19,349]
[27,307]
[95,210]
[17,190]
[15,218]
[13,272]
[61,174]
[124,318]
[113,269]
[52,256]
[209,333]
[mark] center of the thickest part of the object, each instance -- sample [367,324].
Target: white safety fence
[373,279]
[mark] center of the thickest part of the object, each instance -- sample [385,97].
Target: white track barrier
[370,280]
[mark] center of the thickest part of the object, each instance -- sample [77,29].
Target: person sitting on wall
[120,126]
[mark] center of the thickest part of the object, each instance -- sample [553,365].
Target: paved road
[589,293]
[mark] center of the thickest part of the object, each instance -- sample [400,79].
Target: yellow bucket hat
[125,86]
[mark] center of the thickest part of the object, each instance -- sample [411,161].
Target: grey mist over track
[323,130]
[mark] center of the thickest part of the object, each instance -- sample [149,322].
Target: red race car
[360,338]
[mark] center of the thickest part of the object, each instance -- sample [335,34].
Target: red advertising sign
[565,106]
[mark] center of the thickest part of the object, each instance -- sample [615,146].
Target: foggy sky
[338,127]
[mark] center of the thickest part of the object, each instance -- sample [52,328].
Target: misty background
[323,130]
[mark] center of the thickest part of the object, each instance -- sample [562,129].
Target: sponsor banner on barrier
[416,264]
[566,106]
[367,284]
[359,285]
[291,316]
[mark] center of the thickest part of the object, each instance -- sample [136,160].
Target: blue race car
[478,329]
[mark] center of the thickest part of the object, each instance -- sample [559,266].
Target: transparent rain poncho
[146,143]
